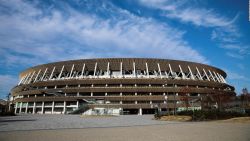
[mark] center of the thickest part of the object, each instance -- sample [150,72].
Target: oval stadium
[120,86]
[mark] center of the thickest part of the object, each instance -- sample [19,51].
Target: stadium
[120,86]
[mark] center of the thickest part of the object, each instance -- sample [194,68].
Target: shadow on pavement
[17,120]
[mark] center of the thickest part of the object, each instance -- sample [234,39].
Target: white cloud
[236,76]
[239,51]
[162,4]
[185,12]
[6,83]
[199,17]
[224,29]
[234,55]
[39,37]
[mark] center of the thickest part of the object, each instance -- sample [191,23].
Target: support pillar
[77,104]
[42,107]
[34,108]
[53,106]
[24,82]
[95,69]
[20,110]
[121,70]
[16,107]
[71,71]
[44,74]
[134,71]
[182,73]
[147,69]
[64,107]
[21,80]
[108,74]
[83,67]
[170,68]
[191,73]
[51,75]
[37,75]
[206,74]
[140,111]
[199,74]
[31,77]
[159,69]
[26,108]
[59,76]
[211,75]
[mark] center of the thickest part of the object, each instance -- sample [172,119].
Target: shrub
[7,114]
[202,115]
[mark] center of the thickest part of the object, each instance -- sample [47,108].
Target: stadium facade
[123,85]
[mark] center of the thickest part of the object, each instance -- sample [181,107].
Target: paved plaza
[129,127]
[43,122]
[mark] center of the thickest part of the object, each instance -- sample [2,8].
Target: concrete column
[120,94]
[83,67]
[26,108]
[91,93]
[159,69]
[134,71]
[95,68]
[64,107]
[77,104]
[20,110]
[121,70]
[16,107]
[42,107]
[147,69]
[34,108]
[53,106]
[140,111]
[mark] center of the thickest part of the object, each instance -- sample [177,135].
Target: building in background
[120,86]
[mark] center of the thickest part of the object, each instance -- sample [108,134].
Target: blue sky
[214,32]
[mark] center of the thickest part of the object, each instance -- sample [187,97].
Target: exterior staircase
[81,109]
